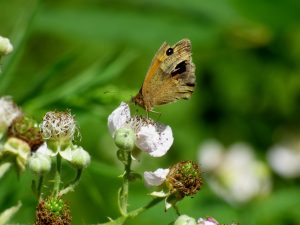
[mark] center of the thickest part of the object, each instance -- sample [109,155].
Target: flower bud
[207,221]
[5,46]
[125,138]
[185,220]
[184,178]
[39,163]
[80,158]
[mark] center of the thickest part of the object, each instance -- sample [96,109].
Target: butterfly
[170,77]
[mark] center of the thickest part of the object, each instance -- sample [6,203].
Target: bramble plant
[43,147]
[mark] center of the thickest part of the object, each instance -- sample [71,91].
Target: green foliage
[88,56]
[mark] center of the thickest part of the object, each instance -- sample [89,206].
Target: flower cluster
[58,130]
[180,180]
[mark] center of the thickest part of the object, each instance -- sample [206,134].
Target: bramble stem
[123,194]
[121,220]
[57,175]
[40,185]
[72,185]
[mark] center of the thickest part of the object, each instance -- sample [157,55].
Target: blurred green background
[89,55]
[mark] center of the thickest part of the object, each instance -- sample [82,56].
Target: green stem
[123,194]
[121,220]
[72,185]
[57,175]
[138,211]
[40,185]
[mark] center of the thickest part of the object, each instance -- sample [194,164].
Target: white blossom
[210,154]
[155,178]
[284,160]
[5,46]
[151,137]
[207,221]
[238,176]
[8,112]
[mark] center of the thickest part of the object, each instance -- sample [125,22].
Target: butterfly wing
[171,75]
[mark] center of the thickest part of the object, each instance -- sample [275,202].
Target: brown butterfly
[171,76]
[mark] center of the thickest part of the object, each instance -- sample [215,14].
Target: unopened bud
[80,158]
[5,46]
[185,220]
[207,221]
[39,163]
[125,139]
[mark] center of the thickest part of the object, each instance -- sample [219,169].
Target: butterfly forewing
[170,77]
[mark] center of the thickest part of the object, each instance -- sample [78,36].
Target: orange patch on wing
[151,72]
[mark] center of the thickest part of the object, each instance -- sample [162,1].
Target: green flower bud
[39,163]
[185,220]
[125,139]
[80,158]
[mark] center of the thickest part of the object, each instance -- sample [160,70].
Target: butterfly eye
[169,51]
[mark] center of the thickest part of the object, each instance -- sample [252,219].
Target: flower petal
[159,194]
[207,221]
[66,154]
[118,117]
[155,178]
[46,151]
[155,139]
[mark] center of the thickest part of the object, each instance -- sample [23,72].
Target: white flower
[155,178]
[5,46]
[207,221]
[8,112]
[210,155]
[285,160]
[151,137]
[238,177]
